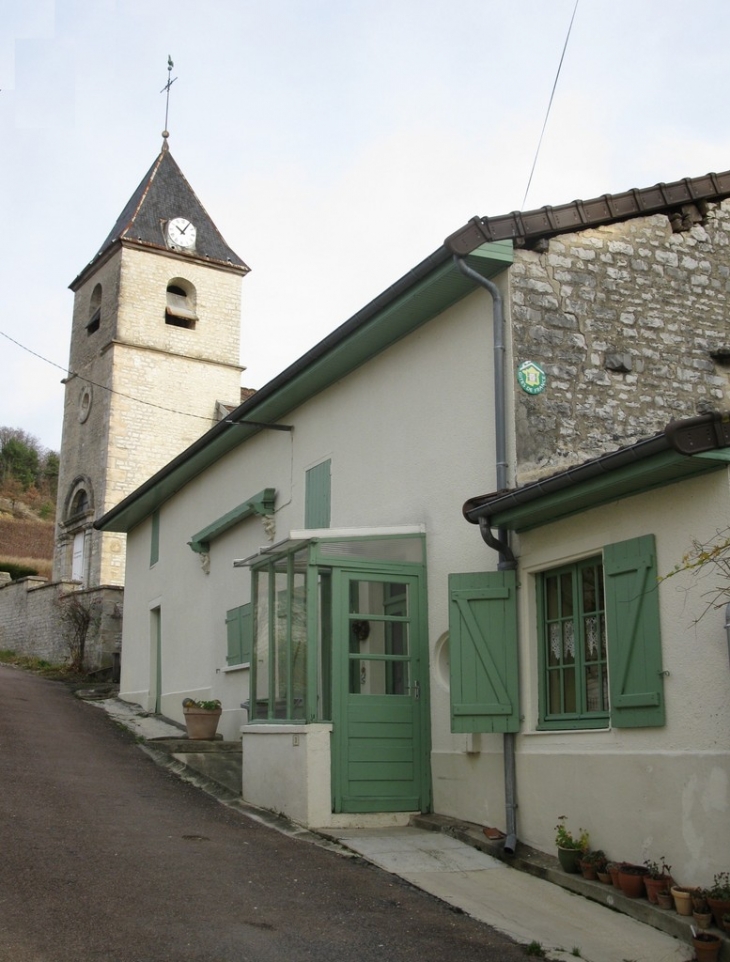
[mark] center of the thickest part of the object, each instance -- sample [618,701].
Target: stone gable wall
[624,319]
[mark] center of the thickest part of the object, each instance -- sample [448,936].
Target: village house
[384,637]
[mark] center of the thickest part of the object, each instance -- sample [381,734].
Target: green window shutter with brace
[317,492]
[239,634]
[483,652]
[634,640]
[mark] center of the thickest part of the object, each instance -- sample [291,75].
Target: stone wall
[30,624]
[630,322]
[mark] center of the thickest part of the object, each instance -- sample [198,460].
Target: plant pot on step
[569,859]
[604,877]
[631,880]
[718,907]
[655,885]
[613,868]
[664,899]
[682,899]
[201,718]
[706,946]
[703,920]
[588,870]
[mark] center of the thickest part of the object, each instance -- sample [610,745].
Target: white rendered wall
[644,792]
[409,435]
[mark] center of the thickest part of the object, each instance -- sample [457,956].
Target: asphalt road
[103,855]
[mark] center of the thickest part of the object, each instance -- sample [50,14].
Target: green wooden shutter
[317,496]
[239,633]
[634,640]
[483,652]
[155,539]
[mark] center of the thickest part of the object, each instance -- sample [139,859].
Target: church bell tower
[154,359]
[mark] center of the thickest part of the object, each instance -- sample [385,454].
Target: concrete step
[216,760]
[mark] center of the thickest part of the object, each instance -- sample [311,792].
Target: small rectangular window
[573,644]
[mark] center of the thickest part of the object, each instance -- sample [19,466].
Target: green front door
[379,704]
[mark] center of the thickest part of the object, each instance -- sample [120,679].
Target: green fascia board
[261,504]
[347,348]
[663,469]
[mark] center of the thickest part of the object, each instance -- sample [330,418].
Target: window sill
[603,727]
[244,664]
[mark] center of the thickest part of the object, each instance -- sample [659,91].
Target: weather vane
[166,89]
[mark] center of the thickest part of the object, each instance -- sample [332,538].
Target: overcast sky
[335,143]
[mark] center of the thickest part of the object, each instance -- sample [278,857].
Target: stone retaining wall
[30,623]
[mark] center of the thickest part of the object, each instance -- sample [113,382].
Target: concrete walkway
[528,909]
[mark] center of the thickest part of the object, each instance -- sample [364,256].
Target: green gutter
[685,449]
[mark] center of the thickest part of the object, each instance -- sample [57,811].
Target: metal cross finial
[170,81]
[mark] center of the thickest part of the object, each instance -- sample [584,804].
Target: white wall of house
[643,792]
[393,463]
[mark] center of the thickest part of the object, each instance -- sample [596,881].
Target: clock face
[181,233]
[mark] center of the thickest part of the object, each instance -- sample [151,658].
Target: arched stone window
[94,310]
[75,529]
[180,308]
[79,503]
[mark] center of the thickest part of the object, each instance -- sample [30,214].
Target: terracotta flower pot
[655,885]
[613,868]
[588,870]
[604,877]
[718,907]
[703,920]
[201,723]
[664,899]
[706,946]
[631,880]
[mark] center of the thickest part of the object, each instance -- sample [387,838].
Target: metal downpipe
[507,560]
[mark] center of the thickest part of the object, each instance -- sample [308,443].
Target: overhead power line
[550,103]
[104,387]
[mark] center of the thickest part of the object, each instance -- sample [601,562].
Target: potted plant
[718,896]
[706,946]
[664,899]
[701,910]
[658,877]
[570,848]
[682,898]
[631,880]
[613,868]
[201,718]
[591,862]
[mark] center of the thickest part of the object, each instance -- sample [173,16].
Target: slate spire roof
[164,193]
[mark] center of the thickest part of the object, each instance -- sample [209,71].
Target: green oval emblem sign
[531,377]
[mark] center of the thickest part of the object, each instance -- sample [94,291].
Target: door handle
[416,689]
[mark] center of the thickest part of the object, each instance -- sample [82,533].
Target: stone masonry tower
[154,359]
